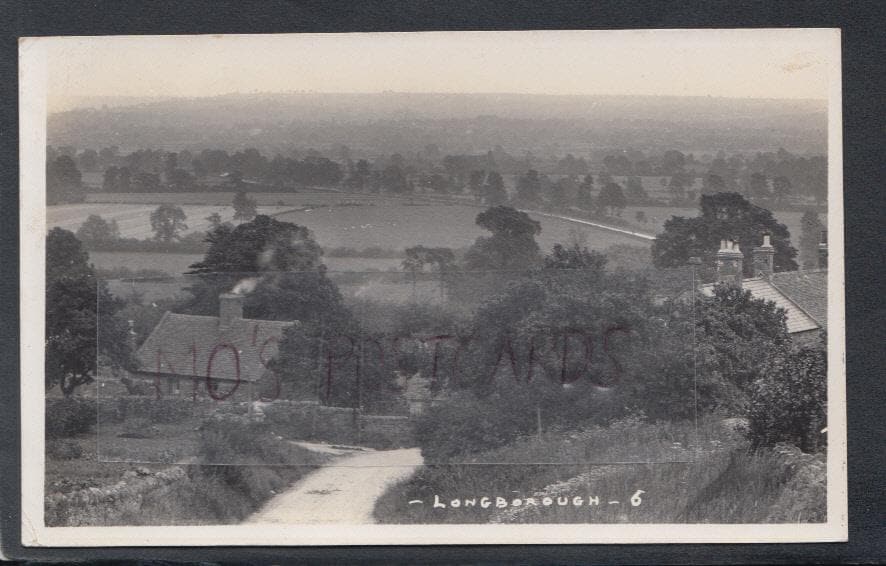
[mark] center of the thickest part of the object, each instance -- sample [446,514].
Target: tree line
[771,179]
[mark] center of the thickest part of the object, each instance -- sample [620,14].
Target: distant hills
[385,123]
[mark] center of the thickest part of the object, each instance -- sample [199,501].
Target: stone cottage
[223,357]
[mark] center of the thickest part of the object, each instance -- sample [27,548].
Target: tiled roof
[184,344]
[808,289]
[810,286]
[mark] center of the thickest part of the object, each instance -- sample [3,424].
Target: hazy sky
[733,63]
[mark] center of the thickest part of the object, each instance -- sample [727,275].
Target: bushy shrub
[467,423]
[70,416]
[293,420]
[789,402]
[231,439]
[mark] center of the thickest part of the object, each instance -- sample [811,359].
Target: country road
[344,492]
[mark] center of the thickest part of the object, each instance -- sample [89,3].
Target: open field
[134,220]
[337,219]
[224,198]
[399,226]
[177,264]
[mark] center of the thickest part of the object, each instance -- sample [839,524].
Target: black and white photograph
[433,288]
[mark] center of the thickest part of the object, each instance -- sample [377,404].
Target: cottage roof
[808,289]
[184,344]
[802,295]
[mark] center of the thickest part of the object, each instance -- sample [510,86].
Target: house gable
[201,346]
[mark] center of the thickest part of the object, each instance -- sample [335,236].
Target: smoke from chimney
[245,286]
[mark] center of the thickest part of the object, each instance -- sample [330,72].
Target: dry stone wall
[109,505]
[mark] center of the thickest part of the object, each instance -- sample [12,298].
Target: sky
[731,63]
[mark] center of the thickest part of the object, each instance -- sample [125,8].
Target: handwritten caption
[573,351]
[498,502]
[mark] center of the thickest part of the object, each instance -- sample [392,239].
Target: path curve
[344,492]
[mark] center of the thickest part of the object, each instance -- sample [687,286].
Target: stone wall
[109,505]
[164,410]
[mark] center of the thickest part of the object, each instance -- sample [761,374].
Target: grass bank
[708,477]
[252,464]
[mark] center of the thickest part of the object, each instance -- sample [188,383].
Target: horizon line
[147,99]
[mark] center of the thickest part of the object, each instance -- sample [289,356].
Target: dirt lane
[344,493]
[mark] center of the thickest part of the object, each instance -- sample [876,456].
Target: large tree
[781,188]
[82,326]
[635,192]
[810,236]
[167,222]
[475,183]
[758,186]
[561,192]
[511,246]
[575,256]
[244,206]
[63,181]
[252,249]
[96,230]
[722,216]
[743,332]
[529,188]
[584,198]
[612,198]
[679,184]
[494,192]
[264,244]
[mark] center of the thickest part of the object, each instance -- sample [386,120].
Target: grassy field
[398,226]
[224,198]
[134,220]
[176,264]
[338,219]
[711,478]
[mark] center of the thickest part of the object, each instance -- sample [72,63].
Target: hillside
[372,124]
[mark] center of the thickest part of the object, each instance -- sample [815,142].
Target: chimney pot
[230,307]
[730,263]
[763,257]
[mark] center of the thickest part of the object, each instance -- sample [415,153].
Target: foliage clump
[789,402]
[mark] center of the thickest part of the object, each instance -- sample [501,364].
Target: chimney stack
[230,307]
[823,250]
[729,263]
[763,257]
